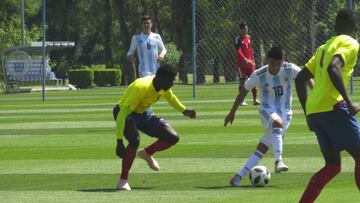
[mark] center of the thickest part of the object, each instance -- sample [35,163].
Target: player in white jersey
[147,45]
[274,82]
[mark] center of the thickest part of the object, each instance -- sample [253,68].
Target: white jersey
[147,47]
[275,90]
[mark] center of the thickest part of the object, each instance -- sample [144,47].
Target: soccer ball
[259,176]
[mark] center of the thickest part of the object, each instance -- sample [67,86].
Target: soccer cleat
[152,163]
[256,102]
[235,181]
[243,103]
[280,167]
[123,185]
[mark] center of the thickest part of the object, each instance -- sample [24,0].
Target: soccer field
[63,150]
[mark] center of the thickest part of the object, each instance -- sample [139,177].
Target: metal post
[22,24]
[193,57]
[44,50]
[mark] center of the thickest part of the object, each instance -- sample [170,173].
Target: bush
[103,77]
[82,78]
[173,55]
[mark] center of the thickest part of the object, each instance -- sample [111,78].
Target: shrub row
[85,78]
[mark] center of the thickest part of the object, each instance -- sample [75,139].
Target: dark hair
[243,25]
[276,53]
[346,22]
[146,17]
[166,70]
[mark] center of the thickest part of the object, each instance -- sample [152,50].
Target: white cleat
[243,103]
[235,181]
[152,163]
[123,185]
[280,167]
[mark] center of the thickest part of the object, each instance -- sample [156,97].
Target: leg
[355,153]
[254,94]
[132,136]
[277,144]
[332,161]
[166,135]
[252,161]
[323,176]
[241,85]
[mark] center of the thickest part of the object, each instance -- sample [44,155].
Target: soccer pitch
[63,150]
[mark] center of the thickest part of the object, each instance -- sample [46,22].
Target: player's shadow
[228,186]
[112,189]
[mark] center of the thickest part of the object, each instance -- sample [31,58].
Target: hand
[161,58]
[229,118]
[189,113]
[354,108]
[120,149]
[131,59]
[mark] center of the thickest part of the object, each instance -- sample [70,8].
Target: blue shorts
[336,130]
[146,122]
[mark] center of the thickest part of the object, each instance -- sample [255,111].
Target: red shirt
[244,50]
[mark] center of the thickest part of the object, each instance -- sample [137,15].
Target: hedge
[104,77]
[81,78]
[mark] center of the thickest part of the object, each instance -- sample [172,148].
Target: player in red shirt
[245,59]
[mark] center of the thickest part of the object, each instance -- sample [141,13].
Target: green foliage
[173,54]
[103,77]
[82,78]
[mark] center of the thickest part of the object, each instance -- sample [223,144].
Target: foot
[280,167]
[235,181]
[123,185]
[152,163]
[243,103]
[256,102]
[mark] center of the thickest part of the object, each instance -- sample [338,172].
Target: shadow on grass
[112,189]
[228,186]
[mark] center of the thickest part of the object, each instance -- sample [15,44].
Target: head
[146,21]
[243,28]
[165,76]
[275,58]
[346,22]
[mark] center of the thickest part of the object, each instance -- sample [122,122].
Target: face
[274,65]
[244,31]
[147,25]
[166,83]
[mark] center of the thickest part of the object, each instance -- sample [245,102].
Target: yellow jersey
[324,95]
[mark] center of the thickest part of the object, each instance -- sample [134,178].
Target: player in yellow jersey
[133,113]
[329,110]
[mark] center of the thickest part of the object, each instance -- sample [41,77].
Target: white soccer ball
[259,176]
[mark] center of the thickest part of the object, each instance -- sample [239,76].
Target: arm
[163,50]
[302,80]
[334,71]
[120,121]
[231,115]
[120,125]
[175,102]
[132,49]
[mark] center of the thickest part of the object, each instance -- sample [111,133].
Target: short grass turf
[63,150]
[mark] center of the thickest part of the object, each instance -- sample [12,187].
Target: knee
[134,141]
[277,124]
[131,133]
[173,139]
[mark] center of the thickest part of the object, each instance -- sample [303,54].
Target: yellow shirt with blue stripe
[324,95]
[138,97]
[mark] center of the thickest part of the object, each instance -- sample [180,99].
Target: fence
[298,26]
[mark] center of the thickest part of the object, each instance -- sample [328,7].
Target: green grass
[63,151]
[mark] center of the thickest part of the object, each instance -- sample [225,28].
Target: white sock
[277,143]
[251,162]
